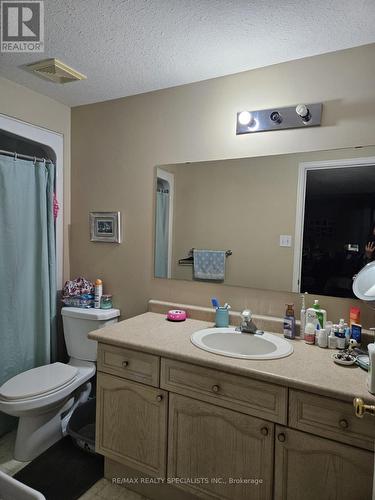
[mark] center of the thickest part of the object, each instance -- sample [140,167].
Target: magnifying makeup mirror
[364,284]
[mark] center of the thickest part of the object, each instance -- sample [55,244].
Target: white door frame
[56,142]
[168,177]
[303,168]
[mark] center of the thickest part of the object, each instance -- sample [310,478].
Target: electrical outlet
[285,240]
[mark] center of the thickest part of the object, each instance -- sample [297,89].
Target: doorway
[335,214]
[164,223]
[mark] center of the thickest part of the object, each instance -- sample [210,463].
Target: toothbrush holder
[222,317]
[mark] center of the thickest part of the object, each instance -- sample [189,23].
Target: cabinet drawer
[133,365]
[236,392]
[330,418]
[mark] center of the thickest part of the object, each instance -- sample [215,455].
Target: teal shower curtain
[27,268]
[161,240]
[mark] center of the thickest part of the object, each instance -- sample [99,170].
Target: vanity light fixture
[302,115]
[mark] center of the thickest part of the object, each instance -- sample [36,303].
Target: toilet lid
[38,381]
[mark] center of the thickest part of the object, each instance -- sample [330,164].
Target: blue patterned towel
[209,264]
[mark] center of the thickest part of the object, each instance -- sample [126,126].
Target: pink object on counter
[176,315]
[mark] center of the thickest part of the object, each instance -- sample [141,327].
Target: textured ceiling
[128,47]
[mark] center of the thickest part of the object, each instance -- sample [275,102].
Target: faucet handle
[246,315]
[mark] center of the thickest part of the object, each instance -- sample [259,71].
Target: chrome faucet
[247,325]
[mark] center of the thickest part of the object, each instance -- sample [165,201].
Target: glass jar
[106,302]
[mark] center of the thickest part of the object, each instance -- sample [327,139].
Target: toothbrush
[215,303]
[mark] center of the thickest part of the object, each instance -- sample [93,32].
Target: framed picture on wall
[105,227]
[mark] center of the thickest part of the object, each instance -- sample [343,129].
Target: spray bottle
[98,293]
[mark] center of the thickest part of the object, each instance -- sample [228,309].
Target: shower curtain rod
[24,157]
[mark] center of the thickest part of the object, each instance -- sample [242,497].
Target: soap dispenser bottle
[289,322]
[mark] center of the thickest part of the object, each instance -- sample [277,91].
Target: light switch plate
[285,240]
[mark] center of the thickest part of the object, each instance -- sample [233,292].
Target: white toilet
[45,397]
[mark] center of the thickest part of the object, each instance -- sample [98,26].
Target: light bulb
[245,118]
[303,111]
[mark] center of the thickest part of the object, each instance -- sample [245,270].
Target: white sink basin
[232,343]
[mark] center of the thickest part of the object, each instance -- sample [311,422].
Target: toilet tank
[78,323]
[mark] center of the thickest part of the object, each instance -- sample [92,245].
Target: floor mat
[63,472]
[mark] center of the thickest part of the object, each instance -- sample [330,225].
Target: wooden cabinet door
[217,453]
[309,467]
[131,424]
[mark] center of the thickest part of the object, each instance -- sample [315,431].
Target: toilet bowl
[45,397]
[39,397]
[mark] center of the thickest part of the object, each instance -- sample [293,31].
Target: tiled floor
[102,490]
[105,490]
[7,462]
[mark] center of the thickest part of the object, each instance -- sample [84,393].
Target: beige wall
[243,205]
[116,145]
[29,106]
[239,205]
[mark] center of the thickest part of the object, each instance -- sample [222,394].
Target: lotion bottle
[320,313]
[310,329]
[323,338]
[332,340]
[340,335]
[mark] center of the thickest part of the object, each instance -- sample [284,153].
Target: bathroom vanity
[176,422]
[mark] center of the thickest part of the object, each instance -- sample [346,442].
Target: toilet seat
[38,381]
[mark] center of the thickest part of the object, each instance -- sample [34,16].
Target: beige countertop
[309,368]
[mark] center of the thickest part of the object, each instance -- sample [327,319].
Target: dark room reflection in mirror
[339,228]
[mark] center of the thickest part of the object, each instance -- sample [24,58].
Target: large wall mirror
[293,222]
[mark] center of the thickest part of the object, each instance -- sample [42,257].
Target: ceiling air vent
[56,71]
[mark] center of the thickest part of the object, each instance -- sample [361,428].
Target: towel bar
[188,261]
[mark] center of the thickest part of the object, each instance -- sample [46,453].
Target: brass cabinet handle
[159,397]
[343,423]
[361,408]
[215,388]
[125,364]
[264,431]
[281,437]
